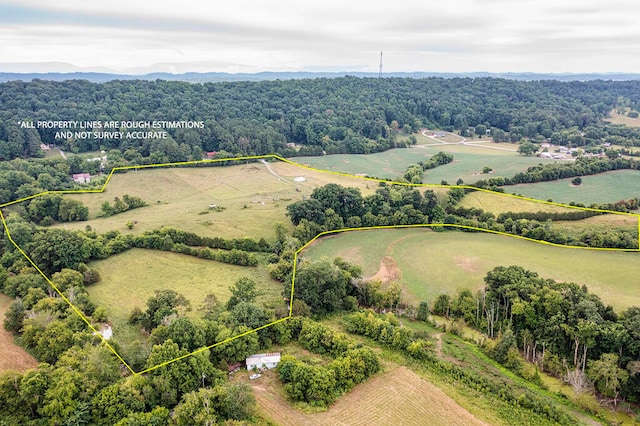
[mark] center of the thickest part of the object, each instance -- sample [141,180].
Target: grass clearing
[432,263]
[605,187]
[497,203]
[615,118]
[130,278]
[388,164]
[469,160]
[398,396]
[12,356]
[603,222]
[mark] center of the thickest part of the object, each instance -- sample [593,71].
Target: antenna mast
[380,69]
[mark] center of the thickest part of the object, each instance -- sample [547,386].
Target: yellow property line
[295,258]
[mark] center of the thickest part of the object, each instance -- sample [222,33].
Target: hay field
[396,397]
[253,196]
[432,263]
[497,203]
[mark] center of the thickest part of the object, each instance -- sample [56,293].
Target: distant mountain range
[194,77]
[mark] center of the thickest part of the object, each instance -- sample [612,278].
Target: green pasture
[604,187]
[469,160]
[499,203]
[443,262]
[388,164]
[130,278]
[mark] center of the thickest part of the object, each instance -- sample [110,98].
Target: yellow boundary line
[295,257]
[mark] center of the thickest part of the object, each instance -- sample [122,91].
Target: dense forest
[342,115]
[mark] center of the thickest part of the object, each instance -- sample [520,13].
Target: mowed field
[499,203]
[469,160]
[253,196]
[601,188]
[396,397]
[430,263]
[388,164]
[130,278]
[12,356]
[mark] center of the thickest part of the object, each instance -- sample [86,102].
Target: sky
[137,37]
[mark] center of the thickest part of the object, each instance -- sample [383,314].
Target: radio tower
[380,69]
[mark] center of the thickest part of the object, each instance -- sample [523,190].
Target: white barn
[263,361]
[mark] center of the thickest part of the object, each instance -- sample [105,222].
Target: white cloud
[243,35]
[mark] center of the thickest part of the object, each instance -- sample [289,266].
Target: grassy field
[604,187]
[496,204]
[604,222]
[12,356]
[398,396]
[130,278]
[388,164]
[253,197]
[468,162]
[615,118]
[431,263]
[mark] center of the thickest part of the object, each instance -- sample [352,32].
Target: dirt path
[438,337]
[463,141]
[12,356]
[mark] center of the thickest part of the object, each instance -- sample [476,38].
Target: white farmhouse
[263,361]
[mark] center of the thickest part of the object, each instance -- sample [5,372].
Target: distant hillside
[194,77]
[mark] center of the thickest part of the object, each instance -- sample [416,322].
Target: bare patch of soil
[388,271]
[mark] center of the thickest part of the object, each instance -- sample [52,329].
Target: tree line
[334,207]
[582,166]
[341,115]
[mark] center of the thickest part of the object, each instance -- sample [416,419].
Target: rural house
[82,178]
[263,361]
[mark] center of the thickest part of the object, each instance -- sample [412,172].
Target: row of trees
[582,166]
[53,249]
[333,207]
[414,172]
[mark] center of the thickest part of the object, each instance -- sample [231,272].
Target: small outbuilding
[81,178]
[263,361]
[232,368]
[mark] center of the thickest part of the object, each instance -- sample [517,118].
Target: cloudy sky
[330,35]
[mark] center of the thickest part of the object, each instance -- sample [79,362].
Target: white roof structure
[268,360]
